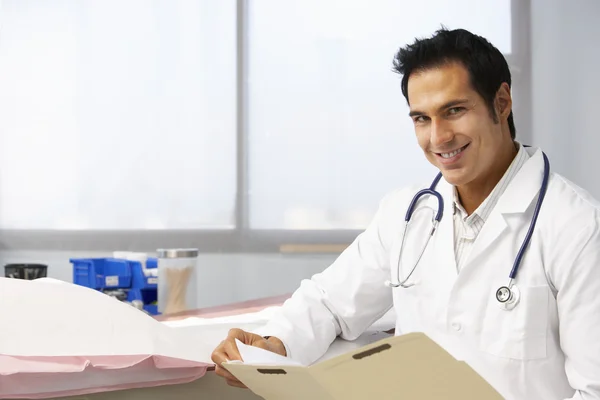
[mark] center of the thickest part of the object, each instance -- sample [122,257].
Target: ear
[503,102]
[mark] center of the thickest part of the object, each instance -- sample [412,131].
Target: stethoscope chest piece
[508,297]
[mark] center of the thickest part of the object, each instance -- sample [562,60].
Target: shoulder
[399,199]
[569,203]
[571,234]
[571,223]
[392,210]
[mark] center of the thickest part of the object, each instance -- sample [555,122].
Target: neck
[473,194]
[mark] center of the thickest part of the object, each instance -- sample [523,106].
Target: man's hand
[228,351]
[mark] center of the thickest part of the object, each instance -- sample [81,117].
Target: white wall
[565,47]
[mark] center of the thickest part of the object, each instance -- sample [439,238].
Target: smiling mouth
[453,153]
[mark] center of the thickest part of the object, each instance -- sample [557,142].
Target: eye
[419,119]
[455,110]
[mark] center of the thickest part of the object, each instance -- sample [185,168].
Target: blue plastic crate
[152,309]
[147,296]
[141,281]
[102,273]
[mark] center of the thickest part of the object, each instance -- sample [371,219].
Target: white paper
[257,356]
[57,337]
[240,320]
[44,319]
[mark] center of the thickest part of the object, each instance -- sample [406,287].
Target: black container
[25,271]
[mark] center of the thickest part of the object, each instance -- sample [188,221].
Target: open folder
[410,366]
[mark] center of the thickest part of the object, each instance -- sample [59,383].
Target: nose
[440,133]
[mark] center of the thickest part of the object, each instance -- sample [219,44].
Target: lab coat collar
[524,187]
[517,196]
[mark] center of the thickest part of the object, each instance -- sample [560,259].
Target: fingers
[236,384]
[262,343]
[229,378]
[231,350]
[218,357]
[248,338]
[242,336]
[226,351]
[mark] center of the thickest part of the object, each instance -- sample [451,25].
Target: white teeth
[450,155]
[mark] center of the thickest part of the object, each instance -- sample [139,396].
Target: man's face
[453,125]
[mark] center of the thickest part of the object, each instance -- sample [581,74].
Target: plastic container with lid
[177,286]
[25,271]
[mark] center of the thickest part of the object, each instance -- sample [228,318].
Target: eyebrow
[450,104]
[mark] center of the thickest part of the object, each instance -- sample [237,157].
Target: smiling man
[509,279]
[456,112]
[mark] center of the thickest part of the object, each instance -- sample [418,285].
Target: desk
[211,386]
[229,309]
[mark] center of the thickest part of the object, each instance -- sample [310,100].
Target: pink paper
[62,340]
[44,377]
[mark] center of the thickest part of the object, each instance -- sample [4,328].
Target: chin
[454,177]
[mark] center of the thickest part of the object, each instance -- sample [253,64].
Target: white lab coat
[547,348]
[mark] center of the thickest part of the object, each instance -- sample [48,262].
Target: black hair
[486,65]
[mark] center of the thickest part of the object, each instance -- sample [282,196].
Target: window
[232,125]
[329,132]
[117,115]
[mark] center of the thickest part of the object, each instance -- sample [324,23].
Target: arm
[345,299]
[577,281]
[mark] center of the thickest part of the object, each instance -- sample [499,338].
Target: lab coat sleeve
[343,300]
[577,281]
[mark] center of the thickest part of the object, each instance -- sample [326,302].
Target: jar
[177,280]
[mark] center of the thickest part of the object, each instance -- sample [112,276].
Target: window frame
[243,239]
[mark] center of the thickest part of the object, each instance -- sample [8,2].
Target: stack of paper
[64,339]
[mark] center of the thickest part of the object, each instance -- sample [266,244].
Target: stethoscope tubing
[505,294]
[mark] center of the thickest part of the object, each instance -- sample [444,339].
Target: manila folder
[410,366]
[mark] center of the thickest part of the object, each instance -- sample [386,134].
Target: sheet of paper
[257,356]
[254,318]
[44,318]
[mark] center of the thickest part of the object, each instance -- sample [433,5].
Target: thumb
[262,343]
[251,339]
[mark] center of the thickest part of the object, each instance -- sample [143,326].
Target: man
[547,345]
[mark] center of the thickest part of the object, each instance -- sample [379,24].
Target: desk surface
[243,307]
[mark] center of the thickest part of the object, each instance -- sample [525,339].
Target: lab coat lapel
[516,199]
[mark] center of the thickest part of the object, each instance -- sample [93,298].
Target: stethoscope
[507,296]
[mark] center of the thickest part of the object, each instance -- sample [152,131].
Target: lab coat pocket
[520,333]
